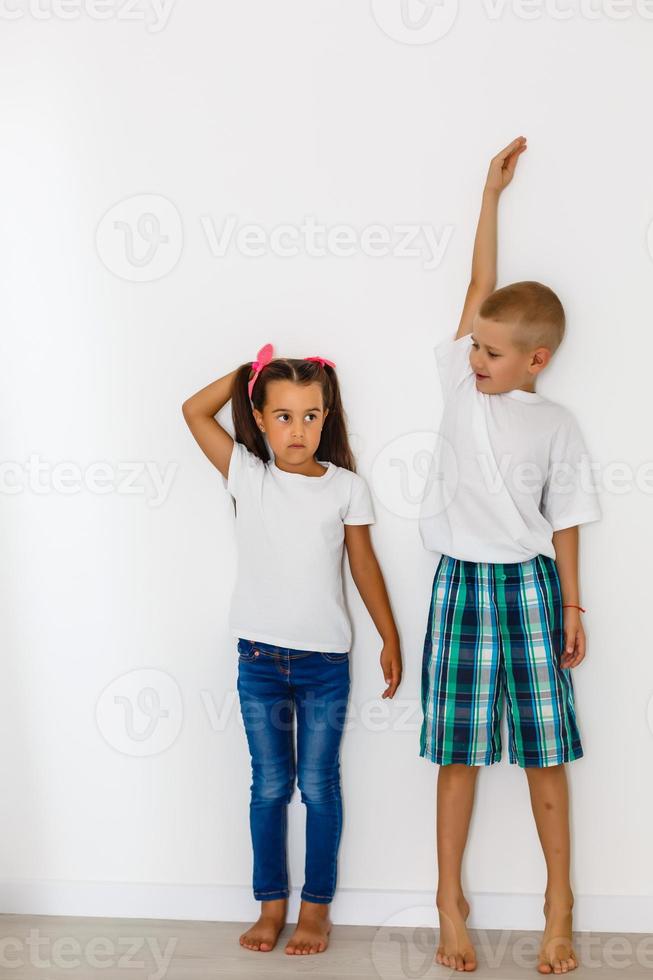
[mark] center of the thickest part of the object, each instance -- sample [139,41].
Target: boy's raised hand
[502,166]
[484,259]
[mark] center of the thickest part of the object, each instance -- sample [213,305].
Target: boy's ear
[541,357]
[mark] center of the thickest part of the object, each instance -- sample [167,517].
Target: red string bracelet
[573,604]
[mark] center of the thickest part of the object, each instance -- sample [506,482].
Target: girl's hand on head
[391,667]
[574,649]
[502,166]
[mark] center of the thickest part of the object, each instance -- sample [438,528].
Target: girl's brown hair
[334,443]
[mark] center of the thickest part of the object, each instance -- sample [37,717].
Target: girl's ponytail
[334,444]
[245,428]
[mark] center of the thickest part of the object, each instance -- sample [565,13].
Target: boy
[503,507]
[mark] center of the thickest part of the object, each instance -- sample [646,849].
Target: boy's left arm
[565,543]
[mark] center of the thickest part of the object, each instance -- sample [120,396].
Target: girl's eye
[492,355]
[284,415]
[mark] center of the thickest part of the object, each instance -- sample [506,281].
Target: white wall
[114,604]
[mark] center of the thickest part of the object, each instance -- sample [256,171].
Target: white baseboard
[232,903]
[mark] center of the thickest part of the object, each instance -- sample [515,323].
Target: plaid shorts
[496,628]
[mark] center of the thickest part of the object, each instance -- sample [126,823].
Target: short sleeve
[360,509]
[569,496]
[452,357]
[242,466]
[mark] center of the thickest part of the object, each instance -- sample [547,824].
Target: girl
[294,512]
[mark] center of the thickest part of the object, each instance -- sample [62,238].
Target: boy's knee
[459,770]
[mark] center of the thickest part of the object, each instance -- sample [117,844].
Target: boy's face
[498,364]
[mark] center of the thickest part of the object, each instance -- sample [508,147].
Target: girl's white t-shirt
[290,535]
[508,470]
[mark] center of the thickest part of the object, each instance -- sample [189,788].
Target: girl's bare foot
[556,952]
[455,950]
[263,935]
[312,932]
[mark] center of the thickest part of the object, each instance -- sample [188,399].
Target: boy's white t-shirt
[508,470]
[290,534]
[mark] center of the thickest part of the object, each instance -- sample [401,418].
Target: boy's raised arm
[484,260]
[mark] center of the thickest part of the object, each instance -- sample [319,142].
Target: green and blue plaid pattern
[496,629]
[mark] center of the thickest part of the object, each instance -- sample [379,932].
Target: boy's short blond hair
[534,310]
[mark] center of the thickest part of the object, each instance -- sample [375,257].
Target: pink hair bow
[263,357]
[322,360]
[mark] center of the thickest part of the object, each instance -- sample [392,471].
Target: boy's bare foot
[312,932]
[455,950]
[556,952]
[263,935]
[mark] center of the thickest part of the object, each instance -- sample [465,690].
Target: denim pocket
[335,658]
[246,650]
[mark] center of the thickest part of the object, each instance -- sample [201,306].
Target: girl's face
[292,419]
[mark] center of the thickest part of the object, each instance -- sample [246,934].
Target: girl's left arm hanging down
[368,577]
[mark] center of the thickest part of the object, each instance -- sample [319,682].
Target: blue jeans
[274,684]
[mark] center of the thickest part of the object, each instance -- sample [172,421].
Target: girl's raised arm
[200,411]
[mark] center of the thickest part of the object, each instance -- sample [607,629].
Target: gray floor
[57,947]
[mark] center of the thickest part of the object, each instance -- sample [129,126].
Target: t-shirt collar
[293,476]
[524,396]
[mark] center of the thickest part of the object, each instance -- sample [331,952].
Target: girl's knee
[272,783]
